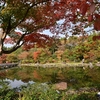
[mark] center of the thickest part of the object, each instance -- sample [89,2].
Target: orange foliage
[23,55]
[36,54]
[36,75]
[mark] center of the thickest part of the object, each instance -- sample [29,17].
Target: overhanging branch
[12,49]
[15,47]
[27,11]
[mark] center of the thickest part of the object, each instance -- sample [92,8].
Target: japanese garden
[61,64]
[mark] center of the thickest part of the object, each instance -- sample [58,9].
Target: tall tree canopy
[32,16]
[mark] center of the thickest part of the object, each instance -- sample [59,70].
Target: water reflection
[17,83]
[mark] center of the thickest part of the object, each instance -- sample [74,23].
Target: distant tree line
[75,49]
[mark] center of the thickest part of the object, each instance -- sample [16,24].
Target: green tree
[12,58]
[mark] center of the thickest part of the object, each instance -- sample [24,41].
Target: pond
[16,83]
[75,78]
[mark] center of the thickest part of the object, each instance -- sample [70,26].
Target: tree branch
[27,11]
[14,48]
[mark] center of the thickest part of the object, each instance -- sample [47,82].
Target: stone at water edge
[60,86]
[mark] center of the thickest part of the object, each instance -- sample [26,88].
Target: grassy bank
[44,92]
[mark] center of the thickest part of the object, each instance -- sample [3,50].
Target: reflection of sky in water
[16,83]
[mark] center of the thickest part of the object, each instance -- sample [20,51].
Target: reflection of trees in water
[54,77]
[36,75]
[75,78]
[26,80]
[2,74]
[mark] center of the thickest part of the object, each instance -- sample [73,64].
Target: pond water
[16,83]
[74,77]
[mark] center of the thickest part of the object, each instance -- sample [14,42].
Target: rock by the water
[61,86]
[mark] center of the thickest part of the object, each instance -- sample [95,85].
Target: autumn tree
[37,40]
[23,55]
[33,16]
[12,58]
[26,16]
[36,55]
[3,58]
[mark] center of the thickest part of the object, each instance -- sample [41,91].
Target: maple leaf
[92,8]
[90,18]
[97,25]
[97,22]
[83,8]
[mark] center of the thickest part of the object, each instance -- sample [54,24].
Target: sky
[47,32]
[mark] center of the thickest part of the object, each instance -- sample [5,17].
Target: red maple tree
[36,15]
[38,40]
